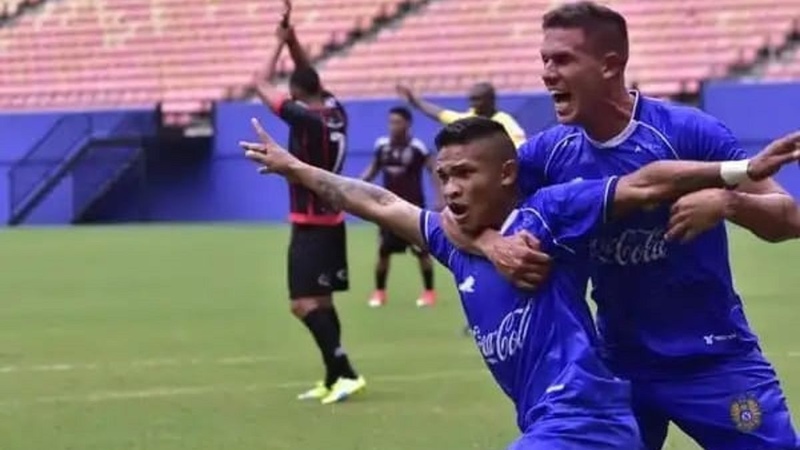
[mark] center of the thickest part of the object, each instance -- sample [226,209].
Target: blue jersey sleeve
[705,138]
[532,159]
[573,212]
[430,225]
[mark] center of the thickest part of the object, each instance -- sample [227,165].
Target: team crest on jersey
[746,413]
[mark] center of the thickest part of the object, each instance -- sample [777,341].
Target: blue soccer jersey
[541,347]
[656,299]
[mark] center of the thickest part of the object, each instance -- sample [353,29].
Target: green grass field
[180,338]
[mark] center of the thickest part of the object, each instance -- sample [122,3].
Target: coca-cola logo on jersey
[503,342]
[631,247]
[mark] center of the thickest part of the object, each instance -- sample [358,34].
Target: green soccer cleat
[318,392]
[344,389]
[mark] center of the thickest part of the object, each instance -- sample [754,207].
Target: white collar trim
[625,133]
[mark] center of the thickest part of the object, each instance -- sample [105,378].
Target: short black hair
[599,23]
[470,129]
[402,111]
[307,79]
[486,87]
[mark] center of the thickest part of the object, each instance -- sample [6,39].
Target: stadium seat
[675,44]
[186,53]
[180,52]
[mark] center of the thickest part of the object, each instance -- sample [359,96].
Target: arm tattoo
[340,191]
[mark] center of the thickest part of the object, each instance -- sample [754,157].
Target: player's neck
[505,208]
[315,101]
[402,139]
[613,116]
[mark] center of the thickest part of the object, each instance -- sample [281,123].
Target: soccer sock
[381,273]
[326,329]
[336,322]
[344,368]
[322,326]
[427,278]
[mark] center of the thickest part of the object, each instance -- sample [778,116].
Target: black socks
[326,329]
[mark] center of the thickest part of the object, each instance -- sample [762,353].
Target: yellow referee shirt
[512,127]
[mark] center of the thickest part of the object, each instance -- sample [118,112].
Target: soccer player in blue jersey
[539,346]
[669,317]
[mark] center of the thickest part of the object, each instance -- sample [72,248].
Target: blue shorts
[737,404]
[613,432]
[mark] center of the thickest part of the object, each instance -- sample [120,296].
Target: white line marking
[242,360]
[179,391]
[229,361]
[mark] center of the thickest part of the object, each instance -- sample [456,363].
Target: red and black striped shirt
[317,136]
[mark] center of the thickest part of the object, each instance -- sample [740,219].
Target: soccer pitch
[180,338]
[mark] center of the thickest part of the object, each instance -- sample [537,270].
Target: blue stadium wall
[54,135]
[216,184]
[758,113]
[186,184]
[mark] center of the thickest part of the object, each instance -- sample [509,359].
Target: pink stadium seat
[185,53]
[181,52]
[675,43]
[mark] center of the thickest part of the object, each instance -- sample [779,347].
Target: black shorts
[317,260]
[392,243]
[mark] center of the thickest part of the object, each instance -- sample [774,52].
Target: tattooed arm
[357,197]
[363,199]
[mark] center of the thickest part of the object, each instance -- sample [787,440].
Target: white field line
[176,391]
[179,391]
[243,360]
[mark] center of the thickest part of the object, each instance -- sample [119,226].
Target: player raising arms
[540,345]
[482,101]
[317,250]
[669,317]
[400,158]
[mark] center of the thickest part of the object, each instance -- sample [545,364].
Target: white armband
[734,172]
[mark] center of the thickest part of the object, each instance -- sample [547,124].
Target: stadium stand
[9,8]
[188,53]
[788,70]
[785,66]
[675,44]
[133,52]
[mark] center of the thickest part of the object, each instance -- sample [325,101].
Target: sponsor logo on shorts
[746,413]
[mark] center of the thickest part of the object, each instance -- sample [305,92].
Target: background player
[318,248]
[400,158]
[668,313]
[482,100]
[540,347]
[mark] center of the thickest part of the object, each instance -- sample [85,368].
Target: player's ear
[613,65]
[509,173]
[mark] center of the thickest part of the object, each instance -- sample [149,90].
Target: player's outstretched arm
[287,34]
[763,207]
[296,50]
[662,181]
[431,110]
[772,216]
[357,197]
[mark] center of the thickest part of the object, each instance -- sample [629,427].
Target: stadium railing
[102,162]
[30,176]
[93,161]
